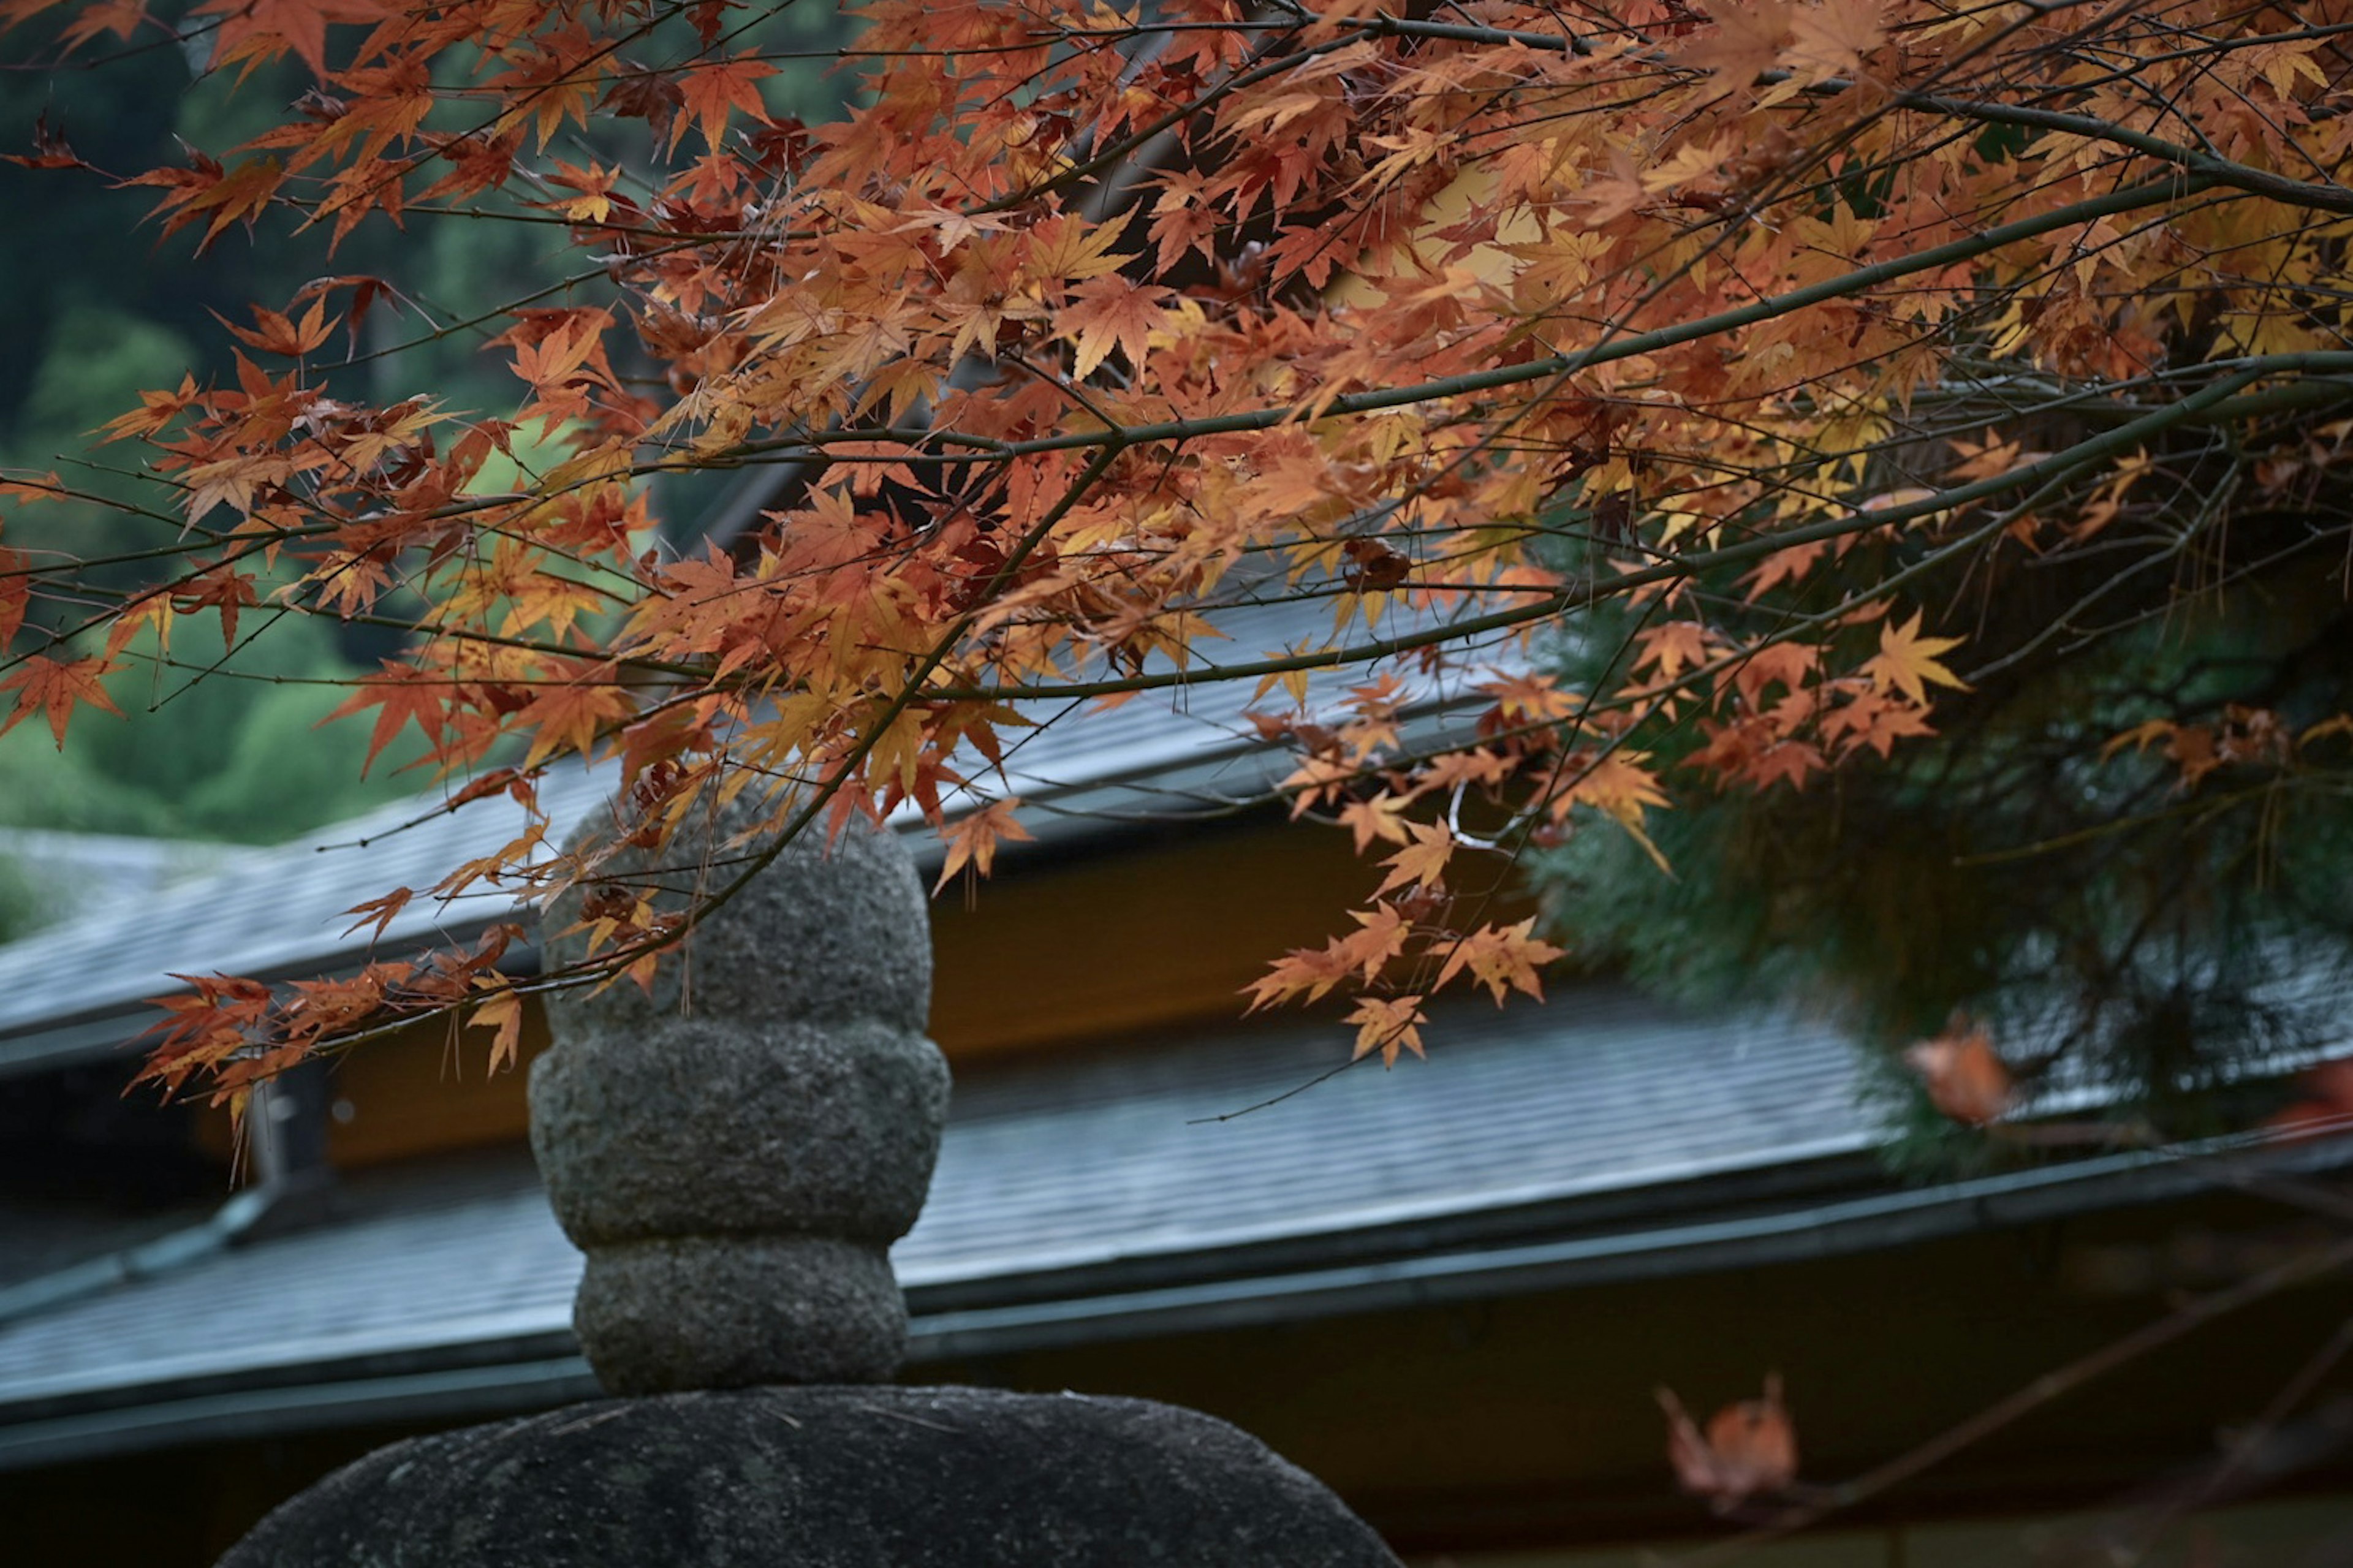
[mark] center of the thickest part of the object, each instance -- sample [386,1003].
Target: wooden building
[1450,1289]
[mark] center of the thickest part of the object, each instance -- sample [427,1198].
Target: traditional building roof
[77,872]
[1218,1176]
[1069,1194]
[79,990]
[1111,1195]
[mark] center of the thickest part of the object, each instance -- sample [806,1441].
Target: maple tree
[1704,406]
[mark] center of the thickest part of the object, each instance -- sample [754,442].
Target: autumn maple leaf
[1745,43]
[1964,1075]
[1423,861]
[1502,958]
[973,839]
[55,688]
[1388,1025]
[567,718]
[1833,38]
[1108,312]
[1381,817]
[1748,1448]
[502,1013]
[1906,662]
[15,594]
[712,93]
[401,694]
[379,913]
[261,30]
[222,588]
[230,195]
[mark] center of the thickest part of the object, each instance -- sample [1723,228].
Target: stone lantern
[734,1154]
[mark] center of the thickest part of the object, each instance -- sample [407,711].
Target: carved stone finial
[737,1153]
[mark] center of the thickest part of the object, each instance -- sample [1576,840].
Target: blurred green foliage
[94,307]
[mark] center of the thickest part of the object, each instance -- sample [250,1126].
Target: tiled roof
[76,872]
[1113,1161]
[76,989]
[269,912]
[1596,1138]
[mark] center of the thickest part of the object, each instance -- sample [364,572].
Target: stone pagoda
[734,1154]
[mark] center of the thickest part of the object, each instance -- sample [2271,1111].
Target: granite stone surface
[729,1312]
[710,1126]
[824,931]
[735,1152]
[824,1478]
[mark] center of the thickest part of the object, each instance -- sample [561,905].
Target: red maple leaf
[55,688]
[260,30]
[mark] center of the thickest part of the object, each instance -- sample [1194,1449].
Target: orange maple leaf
[1380,817]
[1311,972]
[1748,1448]
[15,594]
[274,332]
[974,839]
[379,913]
[1783,663]
[1906,662]
[1671,649]
[567,718]
[1388,1025]
[1502,958]
[402,694]
[1833,38]
[1423,861]
[502,1013]
[710,92]
[1108,312]
[1965,1076]
[55,688]
[224,588]
[229,194]
[1745,42]
[260,30]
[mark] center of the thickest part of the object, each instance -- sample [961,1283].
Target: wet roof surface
[283,911]
[1059,1165]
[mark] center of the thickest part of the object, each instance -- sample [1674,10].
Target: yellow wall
[1059,953]
[1081,951]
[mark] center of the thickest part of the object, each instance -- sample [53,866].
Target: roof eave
[1126,1299]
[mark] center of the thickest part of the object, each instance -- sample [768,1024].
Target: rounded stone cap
[827,931]
[824,1478]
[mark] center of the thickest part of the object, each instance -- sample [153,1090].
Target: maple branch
[1555,367]
[830,784]
[2083,454]
[1087,168]
[2212,167]
[1388,25]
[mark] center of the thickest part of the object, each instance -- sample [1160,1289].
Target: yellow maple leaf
[1388,1025]
[1907,662]
[974,840]
[1423,861]
[501,1015]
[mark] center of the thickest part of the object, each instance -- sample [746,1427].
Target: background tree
[1839,453]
